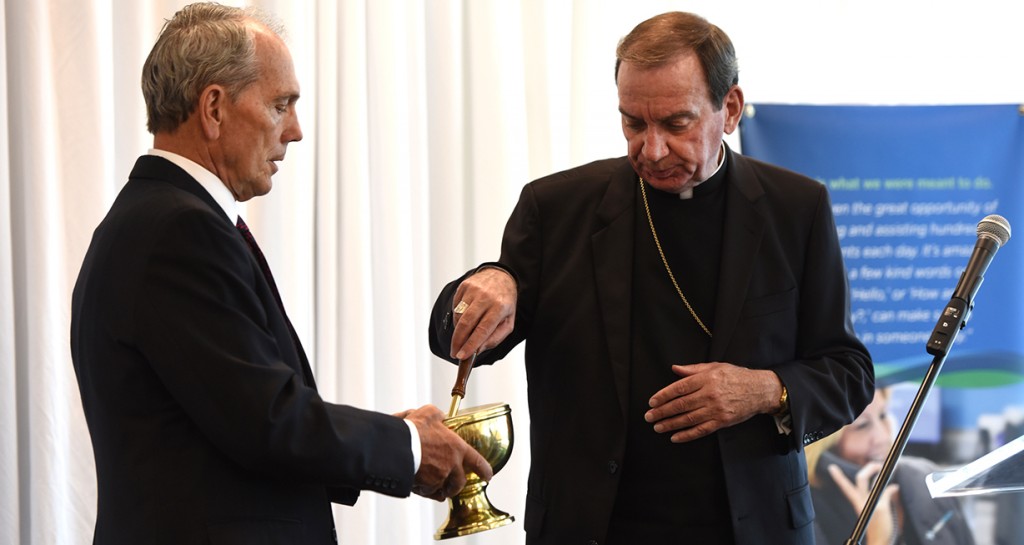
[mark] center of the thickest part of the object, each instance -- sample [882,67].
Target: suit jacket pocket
[257,531]
[801,508]
[769,304]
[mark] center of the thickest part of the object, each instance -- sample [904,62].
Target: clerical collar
[704,185]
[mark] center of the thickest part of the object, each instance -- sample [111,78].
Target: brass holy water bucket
[488,429]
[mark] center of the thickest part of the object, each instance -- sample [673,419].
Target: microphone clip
[952,320]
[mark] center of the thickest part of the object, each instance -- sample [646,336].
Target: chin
[260,188]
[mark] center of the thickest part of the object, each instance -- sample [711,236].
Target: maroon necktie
[307,373]
[251,241]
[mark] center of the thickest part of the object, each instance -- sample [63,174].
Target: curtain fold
[10,481]
[53,135]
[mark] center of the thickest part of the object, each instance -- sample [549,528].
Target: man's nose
[654,147]
[293,132]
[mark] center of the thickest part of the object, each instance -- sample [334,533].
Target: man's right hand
[489,313]
[444,456]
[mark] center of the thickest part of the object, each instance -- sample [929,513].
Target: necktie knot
[240,223]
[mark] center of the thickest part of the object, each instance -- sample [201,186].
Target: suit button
[613,466]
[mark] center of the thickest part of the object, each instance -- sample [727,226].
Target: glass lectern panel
[1001,470]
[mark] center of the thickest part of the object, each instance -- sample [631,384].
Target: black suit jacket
[782,304]
[205,420]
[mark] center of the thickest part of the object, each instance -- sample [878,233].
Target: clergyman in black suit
[205,419]
[686,317]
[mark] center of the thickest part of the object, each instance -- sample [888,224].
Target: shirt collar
[210,182]
[688,194]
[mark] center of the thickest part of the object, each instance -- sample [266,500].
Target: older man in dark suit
[205,419]
[686,319]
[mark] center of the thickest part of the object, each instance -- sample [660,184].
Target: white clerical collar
[688,194]
[210,182]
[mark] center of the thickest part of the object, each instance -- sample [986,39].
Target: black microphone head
[996,227]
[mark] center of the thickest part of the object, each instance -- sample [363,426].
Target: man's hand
[712,396]
[488,313]
[445,457]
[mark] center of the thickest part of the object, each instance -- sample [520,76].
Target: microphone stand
[896,451]
[953,319]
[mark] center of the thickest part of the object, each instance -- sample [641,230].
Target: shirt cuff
[414,436]
[784,423]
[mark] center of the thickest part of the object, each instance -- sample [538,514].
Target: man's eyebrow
[667,119]
[677,116]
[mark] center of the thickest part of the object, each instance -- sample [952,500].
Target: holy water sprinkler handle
[459,390]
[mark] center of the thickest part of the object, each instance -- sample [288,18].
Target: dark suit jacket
[205,420]
[782,304]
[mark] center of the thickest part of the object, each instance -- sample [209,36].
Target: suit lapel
[612,245]
[741,237]
[157,168]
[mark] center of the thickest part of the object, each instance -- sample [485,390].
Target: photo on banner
[909,185]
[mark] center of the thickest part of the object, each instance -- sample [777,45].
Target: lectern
[1001,470]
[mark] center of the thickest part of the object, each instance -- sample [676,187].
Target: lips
[660,174]
[275,159]
[665,173]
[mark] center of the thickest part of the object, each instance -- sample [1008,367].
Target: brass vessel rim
[478,413]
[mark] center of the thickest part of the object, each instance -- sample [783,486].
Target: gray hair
[203,44]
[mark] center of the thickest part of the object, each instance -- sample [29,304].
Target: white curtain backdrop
[422,121]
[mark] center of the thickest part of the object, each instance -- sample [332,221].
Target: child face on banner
[672,127]
[869,437]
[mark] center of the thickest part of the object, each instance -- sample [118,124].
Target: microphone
[993,232]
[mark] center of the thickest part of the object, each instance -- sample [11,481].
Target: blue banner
[909,185]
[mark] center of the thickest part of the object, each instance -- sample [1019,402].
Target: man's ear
[733,105]
[211,110]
